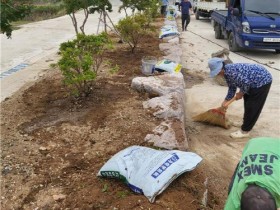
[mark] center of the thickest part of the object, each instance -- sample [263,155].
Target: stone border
[170,101]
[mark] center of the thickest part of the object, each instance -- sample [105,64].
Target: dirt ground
[53,146]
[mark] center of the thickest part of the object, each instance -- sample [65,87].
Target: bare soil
[53,146]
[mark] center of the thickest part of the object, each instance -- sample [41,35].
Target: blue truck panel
[246,28]
[220,16]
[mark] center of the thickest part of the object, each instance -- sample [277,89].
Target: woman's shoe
[236,123]
[239,134]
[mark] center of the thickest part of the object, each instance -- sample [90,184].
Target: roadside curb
[170,101]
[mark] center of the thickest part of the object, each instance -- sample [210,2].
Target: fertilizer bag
[148,171]
[168,30]
[167,65]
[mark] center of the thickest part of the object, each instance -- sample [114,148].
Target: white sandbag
[172,10]
[170,17]
[166,65]
[148,171]
[178,14]
[170,22]
[167,27]
[168,30]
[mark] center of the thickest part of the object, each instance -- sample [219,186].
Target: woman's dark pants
[253,104]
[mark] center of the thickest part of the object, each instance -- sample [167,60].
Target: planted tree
[73,6]
[102,6]
[88,7]
[152,9]
[139,5]
[132,29]
[12,10]
[81,60]
[127,4]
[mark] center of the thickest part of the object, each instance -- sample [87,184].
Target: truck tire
[197,15]
[233,46]
[218,31]
[277,51]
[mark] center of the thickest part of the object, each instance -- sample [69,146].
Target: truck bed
[209,6]
[222,12]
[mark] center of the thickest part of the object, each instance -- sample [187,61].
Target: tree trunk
[82,27]
[74,21]
[105,23]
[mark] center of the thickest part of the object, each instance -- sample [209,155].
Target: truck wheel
[233,46]
[197,15]
[277,51]
[218,31]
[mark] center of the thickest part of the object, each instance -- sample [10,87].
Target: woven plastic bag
[148,171]
[167,65]
[168,30]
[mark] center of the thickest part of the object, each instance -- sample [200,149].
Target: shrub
[152,6]
[152,11]
[132,28]
[81,60]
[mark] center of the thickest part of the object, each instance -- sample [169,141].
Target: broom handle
[230,101]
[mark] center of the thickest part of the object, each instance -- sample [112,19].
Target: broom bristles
[214,117]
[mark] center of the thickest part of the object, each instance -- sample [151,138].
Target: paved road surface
[198,43]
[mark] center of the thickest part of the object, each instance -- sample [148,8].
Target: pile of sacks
[170,25]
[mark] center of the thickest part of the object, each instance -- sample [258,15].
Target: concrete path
[198,44]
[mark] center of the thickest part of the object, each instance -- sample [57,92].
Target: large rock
[169,134]
[160,85]
[168,106]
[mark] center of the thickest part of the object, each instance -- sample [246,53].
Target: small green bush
[152,11]
[132,29]
[80,61]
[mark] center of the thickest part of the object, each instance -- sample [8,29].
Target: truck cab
[249,24]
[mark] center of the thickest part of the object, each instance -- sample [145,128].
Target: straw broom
[215,116]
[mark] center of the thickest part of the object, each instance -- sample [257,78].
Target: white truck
[205,8]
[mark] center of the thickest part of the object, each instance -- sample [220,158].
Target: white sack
[168,66]
[149,171]
[168,30]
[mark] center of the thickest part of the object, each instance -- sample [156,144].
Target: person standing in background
[177,3]
[185,7]
[164,4]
